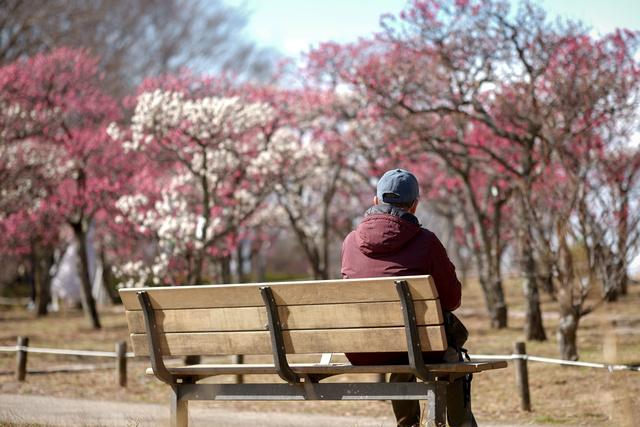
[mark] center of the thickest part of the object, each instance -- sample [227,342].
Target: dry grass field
[560,395]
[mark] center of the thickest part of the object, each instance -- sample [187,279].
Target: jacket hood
[385,230]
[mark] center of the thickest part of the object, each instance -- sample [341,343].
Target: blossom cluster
[215,163]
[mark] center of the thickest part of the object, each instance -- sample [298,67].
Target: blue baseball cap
[399,183]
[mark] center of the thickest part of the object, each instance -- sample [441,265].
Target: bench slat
[296,342]
[207,370]
[383,314]
[285,293]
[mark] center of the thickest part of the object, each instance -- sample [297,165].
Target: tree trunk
[488,258]
[107,279]
[623,249]
[311,249]
[240,258]
[533,328]
[315,263]
[491,284]
[622,284]
[257,265]
[80,230]
[567,335]
[42,261]
[499,315]
[195,277]
[615,280]
[225,269]
[313,256]
[497,312]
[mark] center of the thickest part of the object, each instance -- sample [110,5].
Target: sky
[292,26]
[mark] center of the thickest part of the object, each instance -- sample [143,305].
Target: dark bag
[455,330]
[457,335]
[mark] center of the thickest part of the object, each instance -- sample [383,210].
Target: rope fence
[22,349]
[67,352]
[607,366]
[519,357]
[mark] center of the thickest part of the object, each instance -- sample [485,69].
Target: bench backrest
[330,316]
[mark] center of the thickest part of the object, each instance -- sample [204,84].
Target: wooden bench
[280,319]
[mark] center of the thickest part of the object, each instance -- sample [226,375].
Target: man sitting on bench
[391,242]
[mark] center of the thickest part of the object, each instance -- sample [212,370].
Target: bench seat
[440,370]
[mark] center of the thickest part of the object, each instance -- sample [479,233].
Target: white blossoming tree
[214,153]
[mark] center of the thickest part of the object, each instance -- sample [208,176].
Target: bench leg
[435,414]
[178,409]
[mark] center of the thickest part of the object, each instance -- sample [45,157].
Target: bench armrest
[153,340]
[277,342]
[411,330]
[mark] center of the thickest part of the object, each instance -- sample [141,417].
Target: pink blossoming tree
[54,120]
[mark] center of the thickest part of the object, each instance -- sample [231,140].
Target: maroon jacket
[390,242]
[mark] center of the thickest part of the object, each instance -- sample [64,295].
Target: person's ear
[414,207]
[375,200]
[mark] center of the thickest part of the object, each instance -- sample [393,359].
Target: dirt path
[57,411]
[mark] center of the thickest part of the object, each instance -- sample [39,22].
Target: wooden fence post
[21,359]
[238,359]
[121,363]
[522,376]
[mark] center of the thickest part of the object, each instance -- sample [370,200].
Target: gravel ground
[57,411]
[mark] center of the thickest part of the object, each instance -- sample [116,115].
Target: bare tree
[136,39]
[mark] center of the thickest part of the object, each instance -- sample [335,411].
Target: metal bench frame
[302,382]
